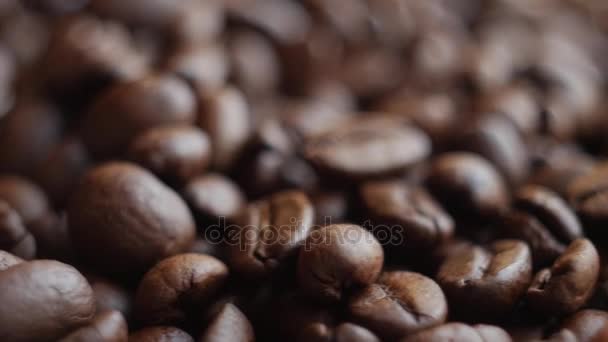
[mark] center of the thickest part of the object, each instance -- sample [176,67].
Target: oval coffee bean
[174,153]
[584,326]
[107,326]
[14,237]
[468,184]
[459,332]
[570,281]
[43,300]
[127,109]
[213,197]
[178,284]
[424,222]
[160,333]
[487,281]
[123,219]
[338,258]
[398,304]
[268,232]
[369,147]
[550,210]
[7,260]
[228,324]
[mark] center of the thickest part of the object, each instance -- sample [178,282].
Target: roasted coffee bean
[338,258]
[214,197]
[14,237]
[549,209]
[27,133]
[43,300]
[160,333]
[411,208]
[398,304]
[569,283]
[369,147]
[228,324]
[468,185]
[225,116]
[269,232]
[584,326]
[110,296]
[487,282]
[127,109]
[496,138]
[174,153]
[180,285]
[459,332]
[123,219]
[204,67]
[107,326]
[8,260]
[587,194]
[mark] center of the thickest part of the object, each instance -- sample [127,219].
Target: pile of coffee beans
[303,170]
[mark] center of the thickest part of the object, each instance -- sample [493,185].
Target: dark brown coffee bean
[127,109]
[487,281]
[459,332]
[338,258]
[14,237]
[468,185]
[174,153]
[43,300]
[27,134]
[8,260]
[122,219]
[569,283]
[228,324]
[60,171]
[160,334]
[204,67]
[269,232]
[393,202]
[496,138]
[110,296]
[107,326]
[398,304]
[584,326]
[225,117]
[587,193]
[372,147]
[213,197]
[179,284]
[549,209]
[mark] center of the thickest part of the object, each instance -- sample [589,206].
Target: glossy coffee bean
[127,109]
[584,326]
[365,148]
[110,296]
[14,237]
[338,258]
[213,196]
[487,282]
[587,195]
[122,219]
[179,284]
[160,333]
[174,153]
[225,116]
[468,185]
[497,139]
[43,300]
[268,233]
[459,332]
[107,326]
[7,260]
[228,324]
[549,209]
[398,304]
[27,133]
[393,202]
[569,283]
